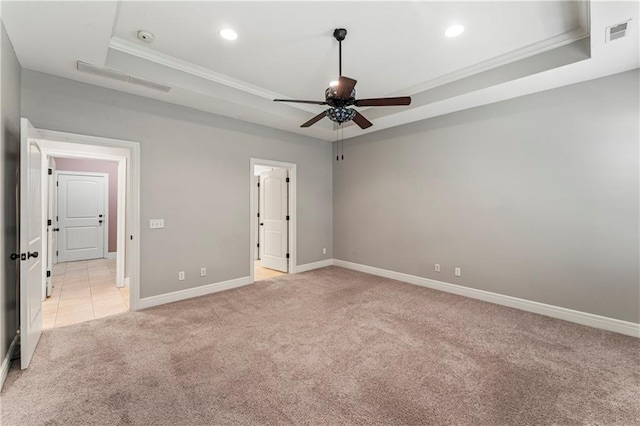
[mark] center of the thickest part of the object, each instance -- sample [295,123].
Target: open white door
[81,216]
[273,220]
[31,240]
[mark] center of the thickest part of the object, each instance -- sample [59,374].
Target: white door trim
[291,167]
[127,154]
[105,228]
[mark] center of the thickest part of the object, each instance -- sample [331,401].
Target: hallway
[83,291]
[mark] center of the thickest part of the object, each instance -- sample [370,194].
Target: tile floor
[83,291]
[265,273]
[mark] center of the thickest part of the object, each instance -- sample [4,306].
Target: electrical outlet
[324,251]
[437,267]
[181,275]
[203,272]
[156,223]
[458,272]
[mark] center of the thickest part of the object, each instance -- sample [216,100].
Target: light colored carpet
[327,347]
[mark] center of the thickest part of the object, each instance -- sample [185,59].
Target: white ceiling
[286,50]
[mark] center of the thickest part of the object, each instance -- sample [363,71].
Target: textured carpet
[327,347]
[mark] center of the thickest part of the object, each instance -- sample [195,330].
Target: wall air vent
[617,31]
[120,76]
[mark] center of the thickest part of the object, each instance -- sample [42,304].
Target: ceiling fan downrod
[339,34]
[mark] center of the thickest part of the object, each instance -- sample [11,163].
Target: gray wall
[535,197]
[10,148]
[194,174]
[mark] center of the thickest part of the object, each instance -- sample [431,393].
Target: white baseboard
[315,265]
[111,255]
[584,318]
[6,362]
[176,296]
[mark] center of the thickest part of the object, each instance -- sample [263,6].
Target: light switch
[156,223]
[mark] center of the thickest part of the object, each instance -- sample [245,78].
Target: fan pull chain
[338,144]
[342,140]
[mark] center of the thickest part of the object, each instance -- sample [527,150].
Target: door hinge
[57,183]
[50,171]
[48,274]
[258,214]
[287,217]
[258,184]
[287,180]
[48,222]
[258,245]
[56,252]
[131,237]
[287,255]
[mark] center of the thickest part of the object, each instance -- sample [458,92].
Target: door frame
[50,210]
[127,154]
[291,168]
[105,228]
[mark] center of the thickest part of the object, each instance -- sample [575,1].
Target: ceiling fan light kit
[341,95]
[341,114]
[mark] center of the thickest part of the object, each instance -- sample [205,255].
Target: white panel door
[81,216]
[31,240]
[273,220]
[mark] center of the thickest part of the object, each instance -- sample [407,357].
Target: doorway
[37,146]
[273,219]
[84,212]
[91,267]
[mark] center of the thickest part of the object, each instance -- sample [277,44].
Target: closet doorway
[273,219]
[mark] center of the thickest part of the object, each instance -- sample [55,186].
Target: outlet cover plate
[156,223]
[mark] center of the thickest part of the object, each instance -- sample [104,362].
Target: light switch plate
[156,223]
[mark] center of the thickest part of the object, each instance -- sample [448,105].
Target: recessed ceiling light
[454,30]
[333,83]
[228,34]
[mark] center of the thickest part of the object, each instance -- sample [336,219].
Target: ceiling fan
[342,94]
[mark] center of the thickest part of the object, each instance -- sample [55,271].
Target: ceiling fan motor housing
[331,96]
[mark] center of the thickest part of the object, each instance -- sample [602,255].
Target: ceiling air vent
[617,31]
[120,76]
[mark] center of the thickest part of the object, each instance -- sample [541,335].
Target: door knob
[99,215]
[261,224]
[56,229]
[100,221]
[15,256]
[32,254]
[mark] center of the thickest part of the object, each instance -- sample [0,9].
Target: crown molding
[151,55]
[497,61]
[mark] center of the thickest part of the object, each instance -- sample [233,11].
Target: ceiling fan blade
[361,121]
[315,119]
[300,101]
[403,100]
[345,87]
